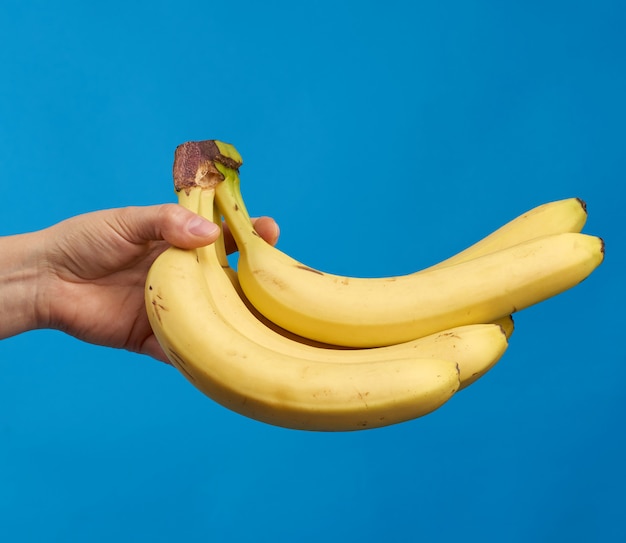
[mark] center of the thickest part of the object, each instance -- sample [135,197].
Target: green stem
[231,205]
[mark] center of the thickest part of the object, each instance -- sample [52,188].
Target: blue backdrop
[383,137]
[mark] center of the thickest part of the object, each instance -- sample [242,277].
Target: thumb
[170,222]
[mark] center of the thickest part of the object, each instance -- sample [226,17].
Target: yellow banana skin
[567,215]
[561,216]
[474,348]
[273,387]
[360,312]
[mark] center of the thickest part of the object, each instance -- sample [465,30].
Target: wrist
[22,270]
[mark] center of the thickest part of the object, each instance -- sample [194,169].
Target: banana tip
[602,246]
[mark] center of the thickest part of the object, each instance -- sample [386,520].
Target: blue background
[383,137]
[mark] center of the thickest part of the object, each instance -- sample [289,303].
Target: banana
[566,215]
[560,216]
[370,312]
[474,348]
[507,324]
[274,387]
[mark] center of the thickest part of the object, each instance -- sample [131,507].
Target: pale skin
[85,276]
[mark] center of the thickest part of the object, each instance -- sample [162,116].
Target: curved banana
[474,348]
[567,215]
[273,387]
[359,312]
[558,217]
[365,312]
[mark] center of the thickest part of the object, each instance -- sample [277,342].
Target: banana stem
[196,163]
[232,185]
[190,198]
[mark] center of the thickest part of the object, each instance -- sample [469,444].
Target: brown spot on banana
[180,364]
[158,308]
[306,268]
[278,283]
[363,397]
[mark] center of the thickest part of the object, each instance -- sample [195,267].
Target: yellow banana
[366,312]
[361,312]
[567,215]
[271,386]
[507,325]
[560,216]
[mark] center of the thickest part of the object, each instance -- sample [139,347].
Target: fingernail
[202,228]
[276,230]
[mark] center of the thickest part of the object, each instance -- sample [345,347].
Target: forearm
[21,268]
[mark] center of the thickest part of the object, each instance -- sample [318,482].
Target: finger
[152,348]
[170,222]
[266,227]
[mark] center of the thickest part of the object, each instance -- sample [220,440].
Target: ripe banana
[567,215]
[560,216]
[272,386]
[359,312]
[474,348]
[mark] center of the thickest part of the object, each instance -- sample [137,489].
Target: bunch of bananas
[289,345]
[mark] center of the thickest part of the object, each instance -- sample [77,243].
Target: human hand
[96,265]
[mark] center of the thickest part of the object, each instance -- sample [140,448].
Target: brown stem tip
[194,165]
